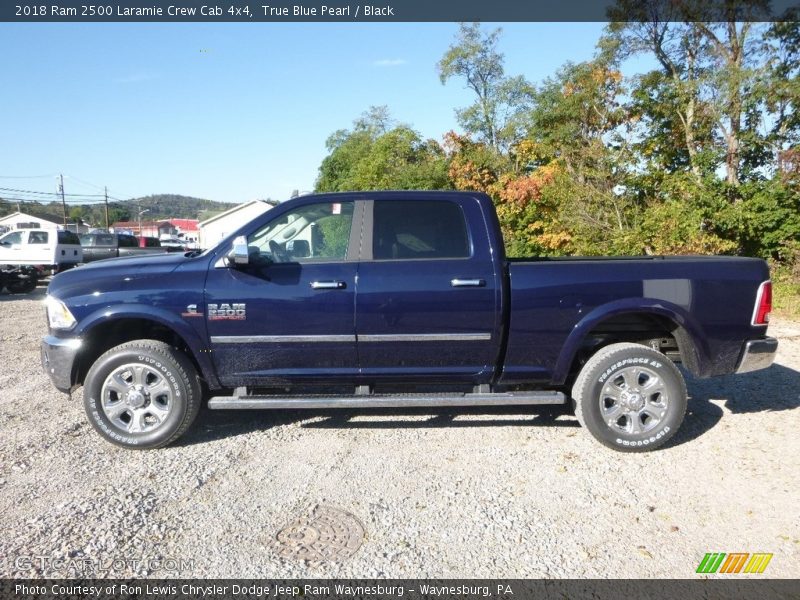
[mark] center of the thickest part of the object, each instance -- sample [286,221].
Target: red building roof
[185,224]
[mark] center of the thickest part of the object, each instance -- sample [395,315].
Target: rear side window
[151,242]
[411,229]
[104,240]
[37,237]
[128,241]
[67,237]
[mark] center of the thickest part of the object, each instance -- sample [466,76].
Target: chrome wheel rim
[634,400]
[136,398]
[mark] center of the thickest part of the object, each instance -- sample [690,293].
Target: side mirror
[239,254]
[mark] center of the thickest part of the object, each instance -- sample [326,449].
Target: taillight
[763,304]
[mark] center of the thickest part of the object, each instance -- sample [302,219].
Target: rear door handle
[457,282]
[328,285]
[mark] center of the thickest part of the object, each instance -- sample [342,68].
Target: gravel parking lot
[503,493]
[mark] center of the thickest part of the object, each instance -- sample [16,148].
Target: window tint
[408,229]
[104,240]
[151,242]
[67,237]
[309,233]
[37,237]
[128,241]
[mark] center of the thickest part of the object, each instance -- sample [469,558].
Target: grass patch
[786,291]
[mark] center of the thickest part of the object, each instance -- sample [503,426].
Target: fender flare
[161,316]
[688,329]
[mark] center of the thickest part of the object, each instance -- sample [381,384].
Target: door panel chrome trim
[391,337]
[277,339]
[425,337]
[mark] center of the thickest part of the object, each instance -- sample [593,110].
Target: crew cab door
[287,316]
[428,304]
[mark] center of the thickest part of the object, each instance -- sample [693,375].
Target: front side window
[311,233]
[15,237]
[412,229]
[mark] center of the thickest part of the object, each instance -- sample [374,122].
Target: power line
[50,193]
[69,201]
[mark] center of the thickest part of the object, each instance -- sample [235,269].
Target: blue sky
[229,112]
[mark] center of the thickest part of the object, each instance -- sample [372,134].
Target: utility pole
[106,195]
[63,201]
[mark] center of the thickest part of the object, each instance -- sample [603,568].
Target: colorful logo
[736,562]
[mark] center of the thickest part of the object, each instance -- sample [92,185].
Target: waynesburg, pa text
[256,590]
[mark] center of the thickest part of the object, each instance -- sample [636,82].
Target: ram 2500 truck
[398,299]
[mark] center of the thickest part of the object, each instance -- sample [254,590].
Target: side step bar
[388,400]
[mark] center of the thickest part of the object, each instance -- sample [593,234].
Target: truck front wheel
[142,394]
[630,397]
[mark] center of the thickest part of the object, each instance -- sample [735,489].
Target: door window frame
[367,237]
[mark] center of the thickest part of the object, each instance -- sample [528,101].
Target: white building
[212,230]
[20,220]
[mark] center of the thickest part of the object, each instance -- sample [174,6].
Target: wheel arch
[103,330]
[658,314]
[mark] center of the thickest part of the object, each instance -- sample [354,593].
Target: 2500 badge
[225,311]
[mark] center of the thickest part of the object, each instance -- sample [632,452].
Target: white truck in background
[26,255]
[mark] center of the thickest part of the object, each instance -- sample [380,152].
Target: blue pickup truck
[398,299]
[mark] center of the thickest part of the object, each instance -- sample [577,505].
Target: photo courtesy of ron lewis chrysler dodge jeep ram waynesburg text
[398,299]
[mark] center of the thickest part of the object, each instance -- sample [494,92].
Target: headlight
[58,315]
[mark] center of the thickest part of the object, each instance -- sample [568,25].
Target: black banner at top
[394,10]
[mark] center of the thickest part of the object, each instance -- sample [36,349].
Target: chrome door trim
[425,337]
[279,339]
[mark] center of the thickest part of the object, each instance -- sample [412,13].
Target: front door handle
[328,285]
[457,282]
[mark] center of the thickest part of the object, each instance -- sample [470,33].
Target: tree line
[697,155]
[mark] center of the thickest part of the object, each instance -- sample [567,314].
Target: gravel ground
[504,493]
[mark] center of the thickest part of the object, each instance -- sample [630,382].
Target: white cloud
[389,62]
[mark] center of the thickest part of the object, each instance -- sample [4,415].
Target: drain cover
[325,534]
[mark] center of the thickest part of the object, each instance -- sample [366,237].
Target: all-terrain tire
[630,397]
[142,394]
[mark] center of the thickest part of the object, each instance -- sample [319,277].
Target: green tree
[374,156]
[495,116]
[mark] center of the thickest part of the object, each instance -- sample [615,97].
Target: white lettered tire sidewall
[601,367]
[175,368]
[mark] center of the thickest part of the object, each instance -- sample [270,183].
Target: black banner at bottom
[321,589]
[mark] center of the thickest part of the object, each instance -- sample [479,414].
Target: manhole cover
[326,534]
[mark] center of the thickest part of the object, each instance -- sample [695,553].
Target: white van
[48,248]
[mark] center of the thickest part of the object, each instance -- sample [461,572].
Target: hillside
[158,206]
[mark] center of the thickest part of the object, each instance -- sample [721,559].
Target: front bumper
[58,360]
[757,354]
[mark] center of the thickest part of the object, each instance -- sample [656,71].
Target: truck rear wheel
[142,394]
[630,397]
